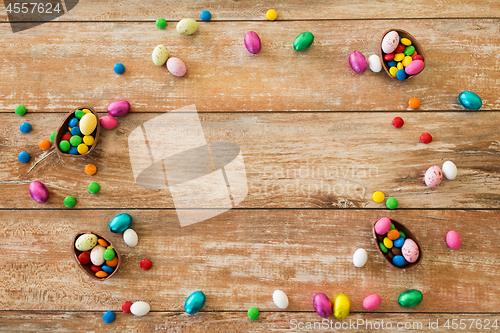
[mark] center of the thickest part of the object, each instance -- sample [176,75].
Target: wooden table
[317,141]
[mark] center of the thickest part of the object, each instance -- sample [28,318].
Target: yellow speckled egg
[88,123]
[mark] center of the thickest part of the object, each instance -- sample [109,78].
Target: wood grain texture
[24,321]
[135,10]
[66,65]
[292,160]
[240,257]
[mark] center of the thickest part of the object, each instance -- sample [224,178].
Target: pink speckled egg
[453,240]
[410,250]
[383,225]
[433,176]
[390,42]
[372,302]
[108,122]
[176,66]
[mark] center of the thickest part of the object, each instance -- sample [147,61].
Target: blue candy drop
[398,261]
[399,242]
[25,128]
[205,15]
[23,157]
[119,68]
[401,74]
[108,317]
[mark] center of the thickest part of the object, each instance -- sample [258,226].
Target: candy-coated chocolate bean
[389,56]
[101,274]
[388,243]
[393,234]
[398,260]
[409,50]
[399,56]
[400,48]
[393,71]
[405,41]
[407,60]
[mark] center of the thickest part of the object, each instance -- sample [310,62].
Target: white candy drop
[449,170]
[130,237]
[374,63]
[280,299]
[140,308]
[360,257]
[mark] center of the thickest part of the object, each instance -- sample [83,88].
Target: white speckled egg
[410,250]
[140,308]
[390,42]
[97,255]
[187,26]
[374,63]
[280,299]
[176,66]
[433,176]
[450,170]
[130,237]
[360,257]
[86,242]
[160,55]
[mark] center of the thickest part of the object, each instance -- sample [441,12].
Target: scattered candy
[107,122]
[391,203]
[108,317]
[130,237]
[25,128]
[252,42]
[176,66]
[426,138]
[205,15]
[39,192]
[414,103]
[118,108]
[374,63]
[161,23]
[23,157]
[322,305]
[119,68]
[96,255]
[378,197]
[187,26]
[120,223]
[410,298]
[90,169]
[280,299]
[303,41]
[449,170]
[140,308]
[470,100]
[126,307]
[160,56]
[453,240]
[357,61]
[271,15]
[146,264]
[20,110]
[342,306]
[94,187]
[194,302]
[69,201]
[398,122]
[372,302]
[253,313]
[433,176]
[360,258]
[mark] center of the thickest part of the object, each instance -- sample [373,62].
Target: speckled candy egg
[176,66]
[97,255]
[160,55]
[86,242]
[108,122]
[39,192]
[187,26]
[390,42]
[433,176]
[410,250]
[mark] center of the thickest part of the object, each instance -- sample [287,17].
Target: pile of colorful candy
[96,255]
[400,55]
[81,133]
[398,247]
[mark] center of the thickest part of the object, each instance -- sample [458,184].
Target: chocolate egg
[120,223]
[39,192]
[322,305]
[118,108]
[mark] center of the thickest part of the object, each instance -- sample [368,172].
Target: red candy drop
[95,268]
[417,57]
[426,138]
[400,48]
[398,122]
[84,258]
[66,137]
[146,264]
[389,57]
[126,307]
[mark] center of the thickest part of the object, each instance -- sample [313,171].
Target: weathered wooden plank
[294,160]
[59,66]
[240,257]
[23,321]
[135,10]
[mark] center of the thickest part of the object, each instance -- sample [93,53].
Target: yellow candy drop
[407,60]
[393,71]
[88,140]
[82,148]
[86,111]
[399,56]
[271,15]
[400,65]
[405,41]
[388,243]
[378,197]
